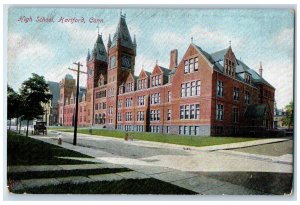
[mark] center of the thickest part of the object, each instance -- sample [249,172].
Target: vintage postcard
[160,101]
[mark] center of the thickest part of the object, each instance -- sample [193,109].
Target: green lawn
[124,186]
[23,150]
[165,138]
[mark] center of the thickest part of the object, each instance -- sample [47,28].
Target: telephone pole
[78,71]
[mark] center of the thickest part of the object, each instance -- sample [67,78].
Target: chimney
[173,59]
[260,69]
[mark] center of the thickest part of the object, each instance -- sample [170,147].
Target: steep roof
[99,51]
[122,34]
[54,89]
[217,59]
[165,71]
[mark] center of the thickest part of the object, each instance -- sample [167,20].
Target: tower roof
[122,34]
[99,51]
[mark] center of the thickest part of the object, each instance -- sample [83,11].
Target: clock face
[126,61]
[112,61]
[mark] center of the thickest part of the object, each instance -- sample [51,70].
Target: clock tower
[121,61]
[96,65]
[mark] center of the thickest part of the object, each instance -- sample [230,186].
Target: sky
[49,49]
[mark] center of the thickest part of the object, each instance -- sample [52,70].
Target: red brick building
[204,94]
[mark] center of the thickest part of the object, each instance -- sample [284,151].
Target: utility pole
[78,71]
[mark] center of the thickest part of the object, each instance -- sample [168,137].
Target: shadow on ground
[266,182]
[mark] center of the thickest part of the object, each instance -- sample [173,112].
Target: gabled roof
[165,71]
[217,59]
[122,34]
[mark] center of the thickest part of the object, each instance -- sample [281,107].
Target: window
[119,116]
[183,93]
[220,88]
[197,115]
[169,115]
[235,114]
[169,96]
[186,130]
[187,89]
[196,64]
[236,93]
[155,98]
[198,87]
[197,130]
[128,102]
[247,78]
[247,97]
[186,112]
[191,65]
[192,130]
[140,116]
[154,115]
[193,88]
[186,66]
[181,131]
[156,80]
[141,100]
[128,116]
[190,111]
[190,89]
[119,103]
[220,112]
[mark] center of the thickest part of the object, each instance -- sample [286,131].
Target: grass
[124,186]
[165,138]
[62,173]
[23,150]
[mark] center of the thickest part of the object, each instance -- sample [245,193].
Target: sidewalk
[186,147]
[181,170]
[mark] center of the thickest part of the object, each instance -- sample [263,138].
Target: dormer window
[229,67]
[141,84]
[129,87]
[156,80]
[247,78]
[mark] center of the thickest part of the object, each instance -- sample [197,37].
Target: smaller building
[279,114]
[51,108]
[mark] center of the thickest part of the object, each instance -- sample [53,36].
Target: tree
[34,92]
[13,104]
[289,117]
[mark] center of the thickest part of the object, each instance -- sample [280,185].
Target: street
[235,171]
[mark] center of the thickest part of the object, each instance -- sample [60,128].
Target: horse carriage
[40,127]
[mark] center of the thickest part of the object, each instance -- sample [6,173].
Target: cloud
[215,39]
[284,38]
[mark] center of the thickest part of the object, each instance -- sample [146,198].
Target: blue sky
[256,35]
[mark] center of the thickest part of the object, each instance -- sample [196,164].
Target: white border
[124,199]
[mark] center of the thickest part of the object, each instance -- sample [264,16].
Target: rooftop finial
[98,28]
[192,39]
[260,69]
[230,43]
[156,61]
[121,12]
